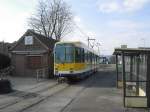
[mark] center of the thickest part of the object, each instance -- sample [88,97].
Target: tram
[74,60]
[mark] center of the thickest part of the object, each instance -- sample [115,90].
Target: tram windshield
[64,54]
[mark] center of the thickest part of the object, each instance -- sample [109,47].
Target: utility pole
[143,39]
[98,45]
[89,39]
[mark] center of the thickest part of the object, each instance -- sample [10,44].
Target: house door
[20,65]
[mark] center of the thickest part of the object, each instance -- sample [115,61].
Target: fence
[41,73]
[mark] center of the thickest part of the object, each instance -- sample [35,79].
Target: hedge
[4,61]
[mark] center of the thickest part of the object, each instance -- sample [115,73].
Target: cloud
[77,20]
[125,25]
[133,5]
[80,32]
[122,31]
[13,22]
[109,6]
[12,27]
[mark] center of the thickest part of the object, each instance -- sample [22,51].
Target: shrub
[5,86]
[4,61]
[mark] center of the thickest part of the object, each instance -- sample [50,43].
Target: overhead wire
[82,32]
[87,36]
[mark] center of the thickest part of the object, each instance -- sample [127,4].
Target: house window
[28,40]
[34,62]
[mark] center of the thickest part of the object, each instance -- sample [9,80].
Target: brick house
[33,55]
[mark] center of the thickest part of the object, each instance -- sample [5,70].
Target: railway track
[85,85]
[20,95]
[61,101]
[36,96]
[32,98]
[17,92]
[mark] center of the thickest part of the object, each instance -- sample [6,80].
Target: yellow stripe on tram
[72,66]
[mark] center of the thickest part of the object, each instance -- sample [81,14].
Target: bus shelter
[135,67]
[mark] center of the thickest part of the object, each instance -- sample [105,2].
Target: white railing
[41,73]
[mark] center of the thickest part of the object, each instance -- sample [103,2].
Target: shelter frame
[135,76]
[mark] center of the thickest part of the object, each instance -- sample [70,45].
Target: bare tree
[53,18]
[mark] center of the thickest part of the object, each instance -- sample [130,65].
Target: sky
[111,22]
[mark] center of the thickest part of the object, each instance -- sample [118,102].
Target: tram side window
[91,57]
[86,55]
[96,59]
[94,56]
[82,55]
[77,55]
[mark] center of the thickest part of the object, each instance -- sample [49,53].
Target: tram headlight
[56,70]
[71,70]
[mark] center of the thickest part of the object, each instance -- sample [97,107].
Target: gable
[25,44]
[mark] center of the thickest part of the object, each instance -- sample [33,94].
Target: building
[135,76]
[32,55]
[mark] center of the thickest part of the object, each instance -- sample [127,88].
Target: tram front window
[64,54]
[59,54]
